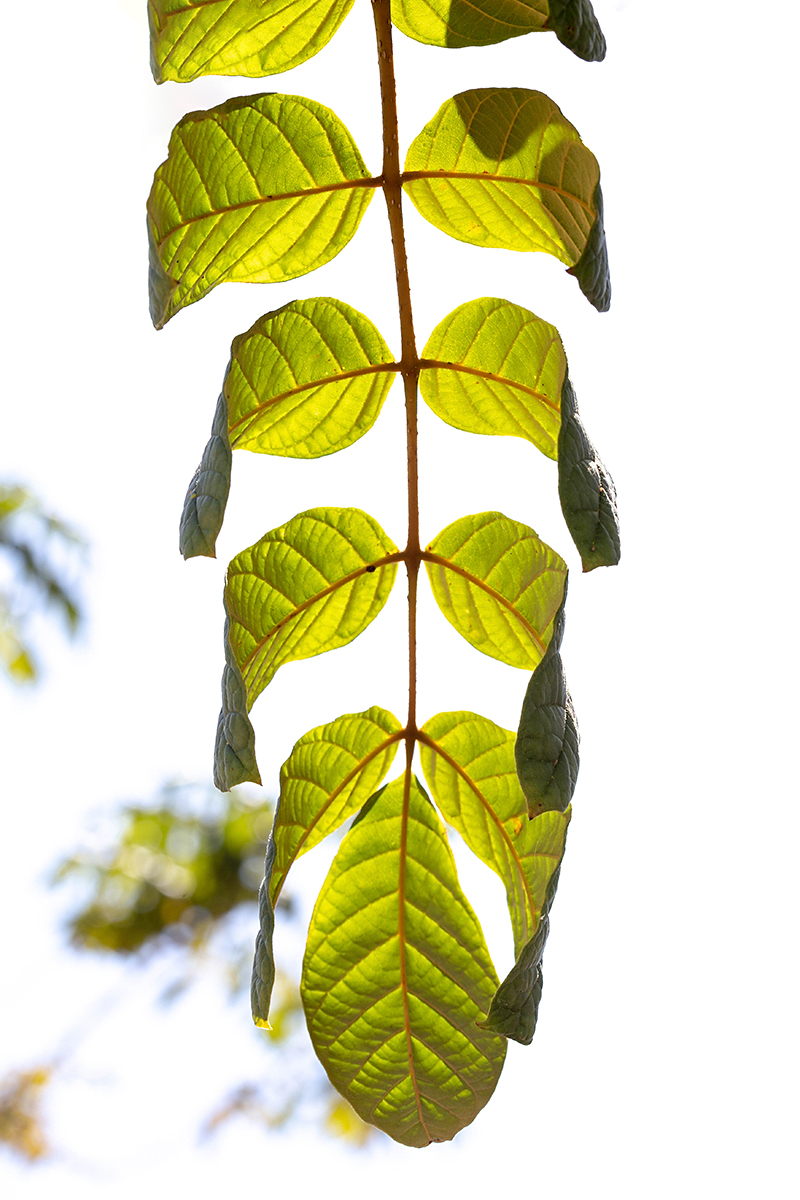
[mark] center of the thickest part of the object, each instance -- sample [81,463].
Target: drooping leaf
[309,586]
[514,1010]
[498,584]
[307,380]
[546,748]
[576,27]
[331,772]
[457,23]
[259,189]
[207,494]
[493,367]
[235,747]
[396,975]
[586,490]
[503,167]
[238,37]
[468,763]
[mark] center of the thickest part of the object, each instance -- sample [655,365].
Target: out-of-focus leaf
[21,1126]
[171,872]
[238,37]
[207,495]
[457,23]
[586,490]
[546,748]
[331,772]
[498,584]
[259,189]
[493,367]
[396,975]
[503,167]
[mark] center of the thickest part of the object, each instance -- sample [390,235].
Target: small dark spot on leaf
[370,570]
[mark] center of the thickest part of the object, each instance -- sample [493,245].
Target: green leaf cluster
[402,1000]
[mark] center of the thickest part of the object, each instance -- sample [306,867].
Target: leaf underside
[396,975]
[457,23]
[546,749]
[503,167]
[499,586]
[238,37]
[586,490]
[499,371]
[258,190]
[207,495]
[331,772]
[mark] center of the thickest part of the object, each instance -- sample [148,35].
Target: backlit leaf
[586,490]
[396,975]
[469,765]
[258,190]
[309,586]
[547,743]
[503,167]
[457,23]
[500,371]
[238,37]
[307,380]
[207,495]
[498,584]
[331,772]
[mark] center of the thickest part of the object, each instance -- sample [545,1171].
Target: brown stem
[409,360]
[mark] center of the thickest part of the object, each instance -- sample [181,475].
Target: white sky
[663,1064]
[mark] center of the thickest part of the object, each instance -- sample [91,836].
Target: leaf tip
[591,269]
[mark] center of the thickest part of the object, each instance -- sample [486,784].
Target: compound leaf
[258,190]
[396,975]
[546,749]
[493,367]
[207,495]
[503,167]
[586,490]
[457,23]
[331,772]
[309,586]
[238,37]
[498,584]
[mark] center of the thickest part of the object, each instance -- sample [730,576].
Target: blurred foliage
[21,1127]
[39,551]
[172,875]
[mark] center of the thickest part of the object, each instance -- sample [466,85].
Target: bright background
[665,1061]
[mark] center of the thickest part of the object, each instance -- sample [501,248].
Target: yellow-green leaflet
[238,37]
[331,772]
[457,23]
[503,167]
[307,380]
[258,190]
[468,763]
[304,589]
[396,975]
[493,367]
[498,584]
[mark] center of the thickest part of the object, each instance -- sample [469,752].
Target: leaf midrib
[223,210]
[441,561]
[373,369]
[491,177]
